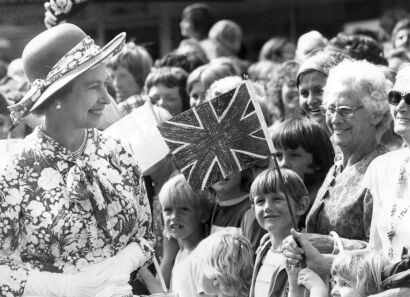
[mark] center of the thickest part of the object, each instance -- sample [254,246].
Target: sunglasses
[394,98]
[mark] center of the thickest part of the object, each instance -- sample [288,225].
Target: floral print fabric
[59,213]
[340,205]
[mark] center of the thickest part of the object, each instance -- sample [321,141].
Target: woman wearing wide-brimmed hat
[74,215]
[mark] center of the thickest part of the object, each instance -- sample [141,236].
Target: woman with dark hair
[166,87]
[73,205]
[311,79]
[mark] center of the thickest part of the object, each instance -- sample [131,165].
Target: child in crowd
[221,266]
[304,147]
[271,210]
[185,215]
[355,273]
[166,87]
[232,202]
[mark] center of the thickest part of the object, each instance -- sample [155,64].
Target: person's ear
[302,206]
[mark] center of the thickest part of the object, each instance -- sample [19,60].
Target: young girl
[185,216]
[271,210]
[355,274]
[221,266]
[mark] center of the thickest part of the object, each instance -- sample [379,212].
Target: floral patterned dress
[341,204]
[59,213]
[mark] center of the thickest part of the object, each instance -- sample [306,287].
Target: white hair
[364,78]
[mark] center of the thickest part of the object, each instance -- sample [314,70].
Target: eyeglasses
[344,111]
[394,98]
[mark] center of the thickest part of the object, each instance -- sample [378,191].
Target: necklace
[78,152]
[400,190]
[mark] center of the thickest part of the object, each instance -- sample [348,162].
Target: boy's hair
[228,258]
[268,182]
[364,267]
[178,192]
[186,62]
[306,133]
[135,59]
[170,77]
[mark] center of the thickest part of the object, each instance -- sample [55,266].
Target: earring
[58,105]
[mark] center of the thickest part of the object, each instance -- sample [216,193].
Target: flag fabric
[139,130]
[218,138]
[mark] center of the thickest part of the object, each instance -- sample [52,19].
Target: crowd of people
[78,216]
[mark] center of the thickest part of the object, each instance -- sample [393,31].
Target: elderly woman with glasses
[386,182]
[355,108]
[74,214]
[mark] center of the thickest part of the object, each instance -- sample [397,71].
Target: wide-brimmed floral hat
[54,58]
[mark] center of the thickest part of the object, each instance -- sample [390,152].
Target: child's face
[298,160]
[168,98]
[231,183]
[343,288]
[182,222]
[272,212]
[197,94]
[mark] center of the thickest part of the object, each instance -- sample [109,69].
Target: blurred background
[155,24]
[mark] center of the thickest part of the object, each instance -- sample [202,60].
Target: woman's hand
[297,246]
[290,249]
[126,261]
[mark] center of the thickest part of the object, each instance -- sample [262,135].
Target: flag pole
[271,148]
[282,183]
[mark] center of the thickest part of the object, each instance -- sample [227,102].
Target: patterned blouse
[59,213]
[340,204]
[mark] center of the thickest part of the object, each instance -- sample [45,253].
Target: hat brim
[110,49]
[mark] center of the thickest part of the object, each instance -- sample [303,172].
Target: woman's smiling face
[311,93]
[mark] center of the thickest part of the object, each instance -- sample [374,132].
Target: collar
[233,201]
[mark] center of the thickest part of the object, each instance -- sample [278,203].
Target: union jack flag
[218,138]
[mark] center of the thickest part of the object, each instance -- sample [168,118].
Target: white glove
[121,265]
[82,284]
